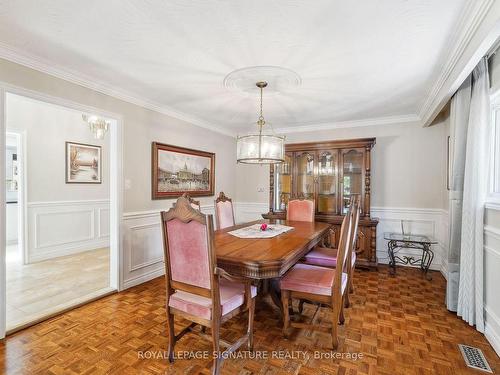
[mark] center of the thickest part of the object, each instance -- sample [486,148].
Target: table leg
[275,292]
[427,257]
[391,245]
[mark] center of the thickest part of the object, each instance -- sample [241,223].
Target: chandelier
[261,148]
[98,126]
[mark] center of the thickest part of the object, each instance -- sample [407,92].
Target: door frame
[116,184]
[22,193]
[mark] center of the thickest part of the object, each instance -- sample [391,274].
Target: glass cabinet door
[304,164]
[282,184]
[327,182]
[352,175]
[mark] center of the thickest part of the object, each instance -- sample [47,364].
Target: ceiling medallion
[279,80]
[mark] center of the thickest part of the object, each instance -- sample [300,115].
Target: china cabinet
[329,173]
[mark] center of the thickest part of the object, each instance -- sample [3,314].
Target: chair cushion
[232,296]
[322,256]
[326,257]
[311,279]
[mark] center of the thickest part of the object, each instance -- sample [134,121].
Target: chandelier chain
[261,117]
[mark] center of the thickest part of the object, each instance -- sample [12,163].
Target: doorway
[62,248]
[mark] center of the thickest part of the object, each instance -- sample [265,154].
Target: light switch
[128,184]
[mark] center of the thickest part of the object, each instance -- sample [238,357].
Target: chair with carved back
[300,210]
[194,203]
[320,285]
[224,212]
[327,257]
[196,288]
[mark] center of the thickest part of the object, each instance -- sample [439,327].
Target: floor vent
[474,358]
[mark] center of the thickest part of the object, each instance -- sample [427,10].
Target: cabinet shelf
[330,185]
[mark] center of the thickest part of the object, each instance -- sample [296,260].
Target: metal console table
[398,241]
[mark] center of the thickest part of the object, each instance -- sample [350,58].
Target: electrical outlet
[260,190]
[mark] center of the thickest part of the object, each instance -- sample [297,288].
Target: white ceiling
[359,61]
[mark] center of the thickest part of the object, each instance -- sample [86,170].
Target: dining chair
[321,285]
[327,257]
[196,289]
[224,211]
[300,210]
[194,203]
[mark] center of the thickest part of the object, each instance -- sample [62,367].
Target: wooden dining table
[267,258]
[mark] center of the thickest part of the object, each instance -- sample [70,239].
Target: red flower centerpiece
[263,227]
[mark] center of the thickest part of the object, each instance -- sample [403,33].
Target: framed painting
[83,163]
[178,170]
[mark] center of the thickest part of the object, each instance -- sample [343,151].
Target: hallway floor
[44,288]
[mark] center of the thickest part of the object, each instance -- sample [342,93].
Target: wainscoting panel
[491,282]
[431,222]
[143,252]
[66,227]
[143,247]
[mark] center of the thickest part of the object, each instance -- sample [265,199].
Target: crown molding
[471,19]
[390,120]
[31,61]
[22,58]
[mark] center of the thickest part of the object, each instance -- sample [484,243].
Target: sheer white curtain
[470,288]
[459,122]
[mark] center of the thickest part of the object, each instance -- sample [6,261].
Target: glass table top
[416,238]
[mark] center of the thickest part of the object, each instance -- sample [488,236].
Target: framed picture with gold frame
[177,170]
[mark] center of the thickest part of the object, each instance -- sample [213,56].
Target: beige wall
[408,165]
[47,127]
[141,127]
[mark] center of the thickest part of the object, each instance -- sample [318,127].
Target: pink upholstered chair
[196,288]
[300,210]
[224,211]
[325,286]
[327,257]
[195,204]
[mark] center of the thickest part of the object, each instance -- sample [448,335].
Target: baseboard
[444,269]
[68,250]
[143,278]
[492,329]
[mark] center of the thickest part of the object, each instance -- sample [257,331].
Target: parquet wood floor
[399,324]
